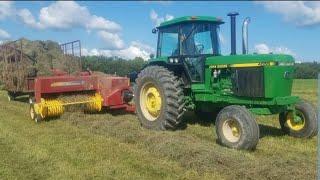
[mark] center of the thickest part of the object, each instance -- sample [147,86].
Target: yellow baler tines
[54,107]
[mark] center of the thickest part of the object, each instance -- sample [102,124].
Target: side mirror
[154,30]
[151,56]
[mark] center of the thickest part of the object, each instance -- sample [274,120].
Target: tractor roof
[191,18]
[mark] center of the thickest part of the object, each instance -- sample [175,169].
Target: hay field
[114,146]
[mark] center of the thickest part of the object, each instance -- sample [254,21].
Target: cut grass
[106,146]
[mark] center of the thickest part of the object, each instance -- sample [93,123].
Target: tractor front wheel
[159,98]
[236,128]
[302,124]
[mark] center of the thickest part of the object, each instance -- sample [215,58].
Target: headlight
[174,60]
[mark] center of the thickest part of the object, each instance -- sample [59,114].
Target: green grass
[105,146]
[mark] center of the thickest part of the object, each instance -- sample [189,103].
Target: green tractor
[190,74]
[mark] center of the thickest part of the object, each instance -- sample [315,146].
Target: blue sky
[124,28]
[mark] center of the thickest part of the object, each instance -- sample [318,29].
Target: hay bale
[24,58]
[48,54]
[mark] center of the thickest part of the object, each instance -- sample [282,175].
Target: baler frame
[97,92]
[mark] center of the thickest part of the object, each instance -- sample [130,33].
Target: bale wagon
[23,60]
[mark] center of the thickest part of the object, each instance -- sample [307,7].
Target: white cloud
[4,34]
[169,17]
[262,49]
[265,49]
[158,20]
[66,15]
[29,19]
[301,13]
[97,22]
[284,50]
[136,49]
[6,9]
[112,40]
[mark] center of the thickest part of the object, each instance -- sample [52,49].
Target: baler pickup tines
[54,107]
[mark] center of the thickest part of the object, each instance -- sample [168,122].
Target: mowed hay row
[195,148]
[24,59]
[113,145]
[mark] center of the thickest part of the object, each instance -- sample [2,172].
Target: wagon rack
[18,69]
[73,49]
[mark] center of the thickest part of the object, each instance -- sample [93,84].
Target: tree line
[112,65]
[122,67]
[309,70]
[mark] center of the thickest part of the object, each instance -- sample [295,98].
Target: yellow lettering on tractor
[243,65]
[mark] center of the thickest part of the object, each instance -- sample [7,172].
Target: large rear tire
[236,128]
[306,127]
[159,98]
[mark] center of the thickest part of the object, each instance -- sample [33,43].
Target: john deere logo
[68,83]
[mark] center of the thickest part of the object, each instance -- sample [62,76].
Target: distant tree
[122,67]
[309,70]
[112,65]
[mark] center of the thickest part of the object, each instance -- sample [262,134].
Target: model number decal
[68,83]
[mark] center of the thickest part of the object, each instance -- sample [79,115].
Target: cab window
[168,42]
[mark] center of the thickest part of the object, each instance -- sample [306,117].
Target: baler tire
[170,89]
[310,127]
[31,99]
[36,117]
[11,97]
[246,124]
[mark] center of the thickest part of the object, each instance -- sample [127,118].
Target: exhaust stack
[245,35]
[233,32]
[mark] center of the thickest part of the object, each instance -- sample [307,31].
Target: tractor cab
[189,40]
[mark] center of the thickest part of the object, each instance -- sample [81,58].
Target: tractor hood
[251,60]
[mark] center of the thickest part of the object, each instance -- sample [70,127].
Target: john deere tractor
[189,73]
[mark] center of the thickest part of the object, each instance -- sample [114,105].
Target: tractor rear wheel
[304,126]
[236,128]
[159,98]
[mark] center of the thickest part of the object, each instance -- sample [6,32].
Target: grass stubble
[114,146]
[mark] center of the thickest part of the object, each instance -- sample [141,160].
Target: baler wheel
[11,97]
[33,115]
[159,98]
[31,99]
[302,124]
[236,128]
